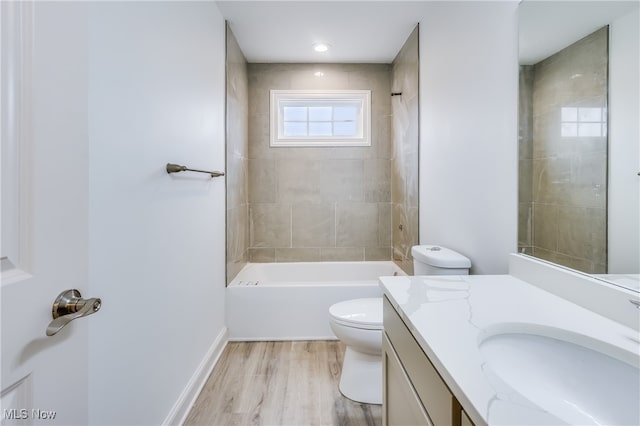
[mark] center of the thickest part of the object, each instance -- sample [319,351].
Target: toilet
[358,324]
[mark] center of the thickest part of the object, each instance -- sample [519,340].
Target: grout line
[335,224]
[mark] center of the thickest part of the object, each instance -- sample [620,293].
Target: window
[583,122]
[320,118]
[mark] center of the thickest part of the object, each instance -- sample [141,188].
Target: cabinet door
[427,383]
[466,421]
[401,406]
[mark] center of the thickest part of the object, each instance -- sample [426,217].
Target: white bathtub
[290,301]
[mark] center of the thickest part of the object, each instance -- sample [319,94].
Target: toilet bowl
[358,324]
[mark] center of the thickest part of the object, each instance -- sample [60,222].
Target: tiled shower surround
[319,203]
[290,204]
[237,158]
[563,176]
[404,156]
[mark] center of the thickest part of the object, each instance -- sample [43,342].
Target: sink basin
[574,383]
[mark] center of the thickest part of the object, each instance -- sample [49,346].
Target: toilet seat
[364,314]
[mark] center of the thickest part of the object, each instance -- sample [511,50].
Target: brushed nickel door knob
[68,306]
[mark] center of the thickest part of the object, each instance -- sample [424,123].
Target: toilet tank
[437,260]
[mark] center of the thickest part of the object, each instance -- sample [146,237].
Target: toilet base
[361,378]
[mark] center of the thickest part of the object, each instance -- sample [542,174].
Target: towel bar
[175,168]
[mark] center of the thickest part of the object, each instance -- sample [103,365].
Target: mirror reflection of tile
[563,156]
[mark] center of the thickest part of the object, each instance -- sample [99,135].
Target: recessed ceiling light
[320,47]
[318,74]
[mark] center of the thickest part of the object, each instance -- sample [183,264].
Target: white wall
[624,145]
[468,133]
[156,95]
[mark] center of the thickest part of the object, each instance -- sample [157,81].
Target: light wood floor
[279,383]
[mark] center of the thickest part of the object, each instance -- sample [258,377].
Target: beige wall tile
[587,57]
[308,180]
[325,188]
[551,180]
[525,181]
[236,181]
[398,181]
[545,226]
[319,153]
[402,239]
[382,137]
[270,225]
[412,236]
[407,57]
[259,137]
[237,219]
[262,255]
[262,79]
[404,163]
[298,181]
[525,155]
[568,174]
[342,254]
[341,180]
[548,141]
[384,224]
[525,224]
[376,79]
[233,268]
[583,265]
[332,79]
[589,180]
[550,255]
[313,225]
[406,266]
[377,180]
[377,253]
[356,224]
[525,250]
[236,158]
[236,239]
[262,181]
[411,156]
[525,112]
[297,254]
[582,233]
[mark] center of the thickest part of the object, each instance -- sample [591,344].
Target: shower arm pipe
[176,168]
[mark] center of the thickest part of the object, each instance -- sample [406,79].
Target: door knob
[68,306]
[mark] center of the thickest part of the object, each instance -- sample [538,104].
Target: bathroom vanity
[413,391]
[504,349]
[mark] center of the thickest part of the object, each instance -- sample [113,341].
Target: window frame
[578,122]
[278,139]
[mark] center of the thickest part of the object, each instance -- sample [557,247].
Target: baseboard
[180,410]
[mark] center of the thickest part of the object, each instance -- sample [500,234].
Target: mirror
[579,188]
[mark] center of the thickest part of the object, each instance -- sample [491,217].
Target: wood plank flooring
[279,383]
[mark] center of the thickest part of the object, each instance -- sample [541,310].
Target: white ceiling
[373,31]
[547,27]
[285,31]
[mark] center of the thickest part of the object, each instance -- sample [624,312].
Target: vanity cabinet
[414,393]
[466,421]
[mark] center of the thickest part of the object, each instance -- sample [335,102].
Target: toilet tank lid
[440,257]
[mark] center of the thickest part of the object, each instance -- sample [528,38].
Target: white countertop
[450,315]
